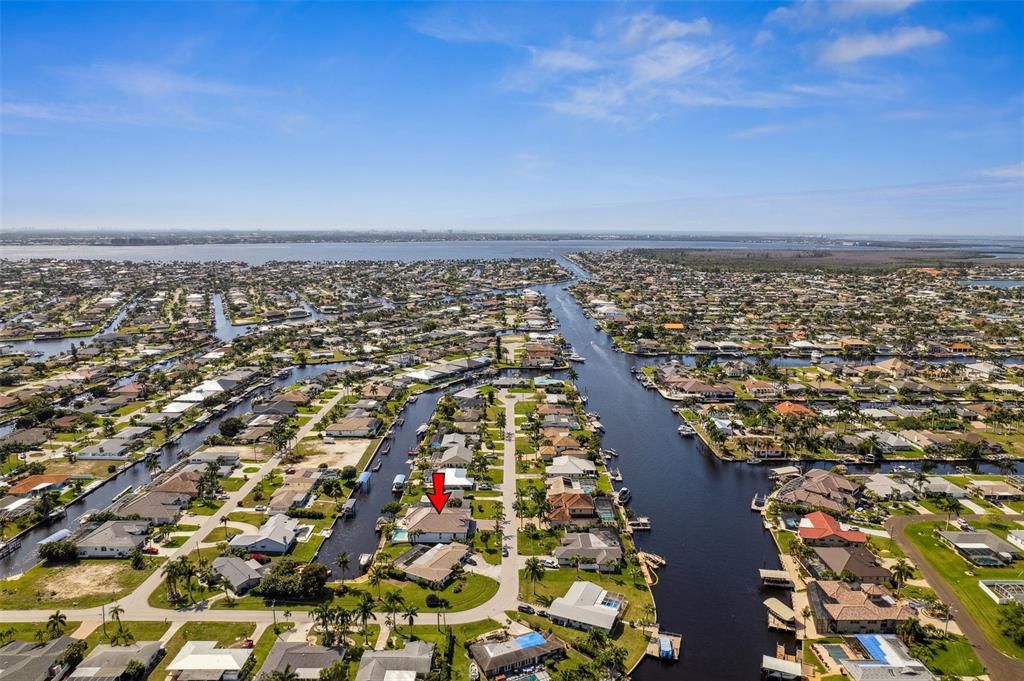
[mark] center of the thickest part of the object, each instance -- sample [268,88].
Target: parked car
[261,509]
[549,562]
[247,643]
[471,561]
[528,609]
[504,551]
[151,550]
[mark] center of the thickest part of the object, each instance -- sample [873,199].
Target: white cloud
[653,28]
[759,131]
[763,37]
[668,61]
[563,60]
[853,48]
[1012,171]
[805,14]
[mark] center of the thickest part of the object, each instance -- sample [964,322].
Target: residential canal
[355,535]
[102,496]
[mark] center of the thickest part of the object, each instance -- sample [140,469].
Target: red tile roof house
[821,529]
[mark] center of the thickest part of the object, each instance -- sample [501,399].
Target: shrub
[63,551]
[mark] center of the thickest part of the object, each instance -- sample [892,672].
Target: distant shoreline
[124,239]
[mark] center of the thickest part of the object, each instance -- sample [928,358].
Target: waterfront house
[854,560]
[571,509]
[354,426]
[841,608]
[502,658]
[821,529]
[424,525]
[403,664]
[274,537]
[587,606]
[887,488]
[821,489]
[935,486]
[431,566]
[159,508]
[114,539]
[206,660]
[598,549]
[571,467]
[37,485]
[994,490]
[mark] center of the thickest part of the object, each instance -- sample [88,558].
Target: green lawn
[141,631]
[474,591]
[229,634]
[485,509]
[955,569]
[556,582]
[86,584]
[231,484]
[205,506]
[220,534]
[305,551]
[464,633]
[534,542]
[267,640]
[492,554]
[26,631]
[954,657]
[249,517]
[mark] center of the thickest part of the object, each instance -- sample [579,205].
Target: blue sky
[888,117]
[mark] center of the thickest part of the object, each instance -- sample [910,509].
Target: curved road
[1000,667]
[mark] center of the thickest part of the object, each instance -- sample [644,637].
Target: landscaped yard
[220,534]
[556,582]
[463,634]
[26,631]
[633,640]
[537,542]
[140,631]
[955,569]
[86,584]
[229,634]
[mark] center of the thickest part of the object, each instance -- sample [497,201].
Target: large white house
[275,536]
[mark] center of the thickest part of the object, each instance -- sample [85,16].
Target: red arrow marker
[439,497]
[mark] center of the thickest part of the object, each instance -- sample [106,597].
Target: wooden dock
[668,653]
[8,548]
[649,564]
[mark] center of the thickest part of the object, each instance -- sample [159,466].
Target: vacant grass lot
[85,584]
[955,569]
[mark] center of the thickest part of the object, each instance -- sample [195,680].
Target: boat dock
[649,565]
[8,548]
[664,645]
[778,579]
[780,616]
[642,523]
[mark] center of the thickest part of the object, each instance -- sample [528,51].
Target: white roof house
[887,487]
[572,467]
[203,659]
[456,478]
[274,536]
[588,606]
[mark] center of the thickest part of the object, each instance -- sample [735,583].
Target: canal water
[699,506]
[102,496]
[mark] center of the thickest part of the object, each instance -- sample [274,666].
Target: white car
[549,562]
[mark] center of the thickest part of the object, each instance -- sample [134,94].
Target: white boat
[413,398]
[421,430]
[686,430]
[754,462]
[624,495]
[365,559]
[576,357]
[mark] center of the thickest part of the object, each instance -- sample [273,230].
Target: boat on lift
[686,430]
[624,495]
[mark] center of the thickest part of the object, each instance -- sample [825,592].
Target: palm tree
[364,611]
[909,631]
[115,613]
[56,624]
[410,611]
[442,605]
[613,659]
[951,505]
[376,578]
[901,572]
[534,571]
[576,561]
[343,561]
[393,600]
[805,613]
[188,571]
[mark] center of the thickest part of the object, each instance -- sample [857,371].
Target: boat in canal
[365,559]
[376,466]
[398,484]
[624,495]
[686,430]
[421,430]
[758,503]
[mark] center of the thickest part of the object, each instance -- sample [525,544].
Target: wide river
[699,506]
